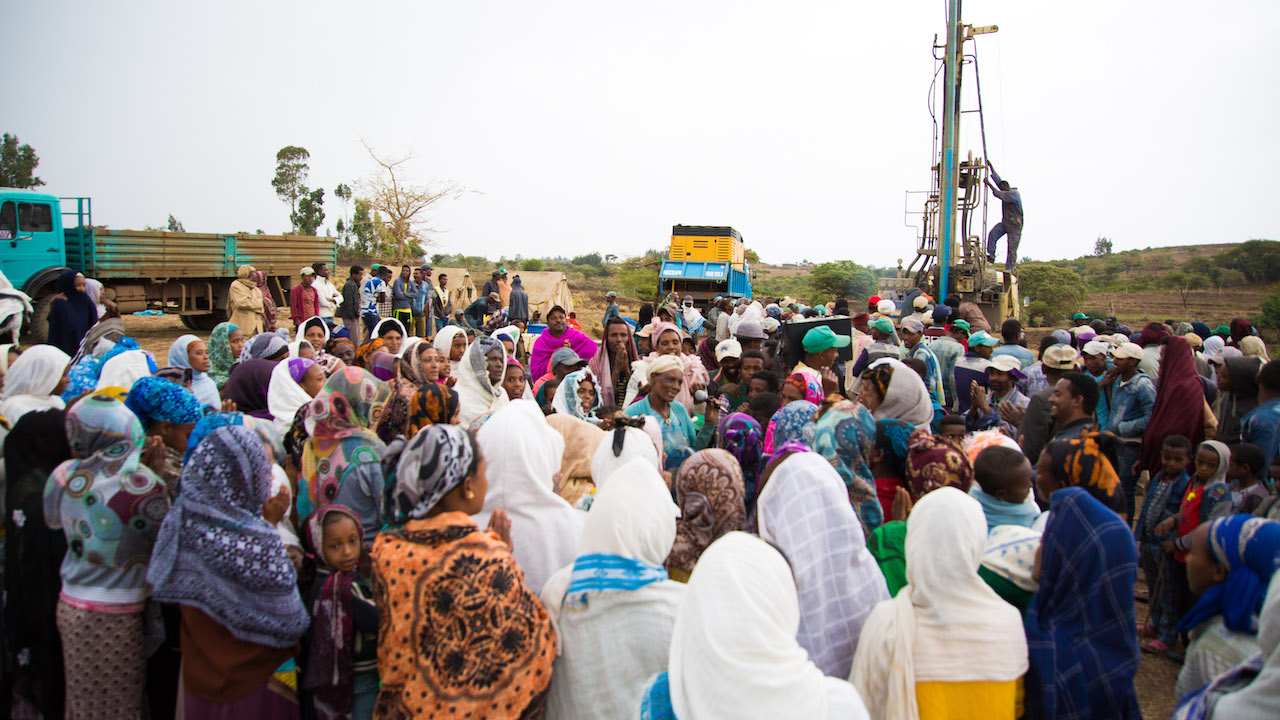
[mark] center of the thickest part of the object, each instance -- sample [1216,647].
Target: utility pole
[949,179]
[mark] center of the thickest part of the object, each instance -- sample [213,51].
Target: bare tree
[404,205]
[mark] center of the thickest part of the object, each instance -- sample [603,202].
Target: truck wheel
[204,323]
[37,330]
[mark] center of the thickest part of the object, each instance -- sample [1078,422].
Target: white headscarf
[202,386]
[734,652]
[443,343]
[627,632]
[523,455]
[636,443]
[404,334]
[124,370]
[907,398]
[476,394]
[805,511]
[946,624]
[30,381]
[1213,345]
[566,401]
[284,396]
[301,331]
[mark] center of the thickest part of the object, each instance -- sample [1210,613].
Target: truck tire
[37,330]
[204,323]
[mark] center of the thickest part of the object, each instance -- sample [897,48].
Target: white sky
[595,126]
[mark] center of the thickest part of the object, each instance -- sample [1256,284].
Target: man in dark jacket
[518,304]
[482,306]
[349,310]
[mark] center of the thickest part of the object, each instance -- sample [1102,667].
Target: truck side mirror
[753,274]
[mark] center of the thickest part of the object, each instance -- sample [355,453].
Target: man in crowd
[484,305]
[729,360]
[491,285]
[442,303]
[349,310]
[1011,334]
[912,334]
[373,296]
[1132,395]
[403,292]
[1036,426]
[921,306]
[972,368]
[1261,425]
[421,303]
[882,345]
[611,309]
[1074,399]
[985,402]
[518,304]
[612,361]
[1094,357]
[304,301]
[558,335]
[750,334]
[821,348]
[1079,319]
[330,298]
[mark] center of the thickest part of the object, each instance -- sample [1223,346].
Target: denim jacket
[1130,406]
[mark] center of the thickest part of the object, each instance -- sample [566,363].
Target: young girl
[1166,577]
[1207,498]
[342,669]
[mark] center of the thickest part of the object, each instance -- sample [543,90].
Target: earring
[469,495]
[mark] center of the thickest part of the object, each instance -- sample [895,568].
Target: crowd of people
[755,509]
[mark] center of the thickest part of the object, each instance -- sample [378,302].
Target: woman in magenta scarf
[558,335]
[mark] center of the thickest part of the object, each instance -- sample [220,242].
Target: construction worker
[1010,223]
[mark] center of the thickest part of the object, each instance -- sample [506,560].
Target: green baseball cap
[1222,330]
[1079,316]
[823,338]
[884,325]
[962,324]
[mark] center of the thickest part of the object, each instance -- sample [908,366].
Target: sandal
[1155,646]
[1147,631]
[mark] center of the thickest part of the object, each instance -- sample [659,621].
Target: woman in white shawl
[34,382]
[524,454]
[805,511]
[946,639]
[451,343]
[620,446]
[125,369]
[578,395]
[893,391]
[478,393]
[189,351]
[615,606]
[734,652]
[294,382]
[695,373]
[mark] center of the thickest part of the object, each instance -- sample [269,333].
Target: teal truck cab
[42,236]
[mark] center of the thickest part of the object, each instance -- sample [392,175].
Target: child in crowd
[1004,487]
[1166,576]
[762,407]
[951,427]
[761,383]
[1247,491]
[342,665]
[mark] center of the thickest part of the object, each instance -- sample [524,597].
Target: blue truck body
[704,280]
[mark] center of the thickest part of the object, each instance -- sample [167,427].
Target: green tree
[175,225]
[751,256]
[18,164]
[1184,284]
[1102,246]
[592,259]
[844,278]
[363,231]
[531,265]
[290,180]
[310,212]
[1259,260]
[1270,315]
[1054,293]
[1203,266]
[343,193]
[1228,277]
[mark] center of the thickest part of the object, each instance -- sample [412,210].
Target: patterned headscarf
[843,435]
[566,399]
[893,438]
[220,360]
[155,399]
[933,462]
[433,404]
[329,672]
[339,420]
[794,422]
[268,305]
[743,438]
[1087,462]
[217,554]
[434,462]
[106,439]
[180,376]
[1083,651]
[264,345]
[805,384]
[364,355]
[477,356]
[1248,547]
[383,365]
[710,495]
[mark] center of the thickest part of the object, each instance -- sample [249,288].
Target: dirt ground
[1156,675]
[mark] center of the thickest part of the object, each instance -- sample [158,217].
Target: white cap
[921,302]
[886,307]
[1128,350]
[1006,363]
[728,348]
[1096,347]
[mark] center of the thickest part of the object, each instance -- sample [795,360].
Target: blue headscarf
[1248,546]
[1083,649]
[84,375]
[214,420]
[156,399]
[843,435]
[891,438]
[794,422]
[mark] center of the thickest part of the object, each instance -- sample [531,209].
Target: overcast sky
[595,126]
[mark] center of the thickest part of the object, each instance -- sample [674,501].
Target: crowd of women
[500,525]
